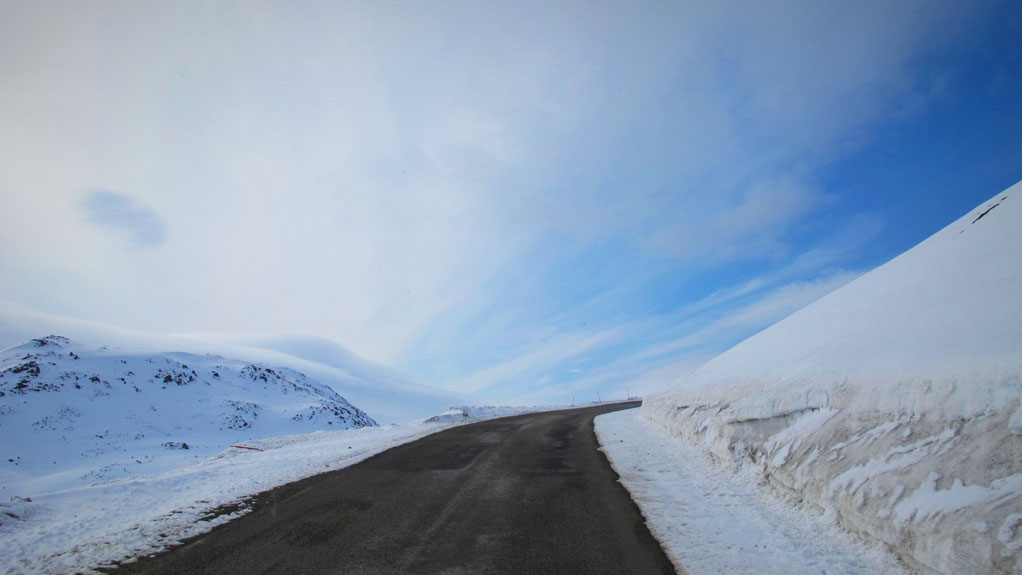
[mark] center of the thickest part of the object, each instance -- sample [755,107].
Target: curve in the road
[523,494]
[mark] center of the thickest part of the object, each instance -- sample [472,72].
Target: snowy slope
[390,395]
[892,403]
[71,414]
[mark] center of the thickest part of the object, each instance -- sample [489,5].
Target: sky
[528,202]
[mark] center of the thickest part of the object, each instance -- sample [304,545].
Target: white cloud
[543,356]
[366,172]
[737,323]
[676,345]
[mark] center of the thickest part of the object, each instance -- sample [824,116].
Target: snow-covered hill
[71,414]
[390,395]
[892,404]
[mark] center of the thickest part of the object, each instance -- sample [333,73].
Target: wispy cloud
[527,370]
[642,351]
[124,216]
[481,193]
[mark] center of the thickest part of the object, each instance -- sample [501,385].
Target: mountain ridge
[71,413]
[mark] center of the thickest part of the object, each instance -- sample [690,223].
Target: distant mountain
[72,414]
[392,396]
[389,394]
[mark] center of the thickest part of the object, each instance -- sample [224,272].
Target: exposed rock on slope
[70,414]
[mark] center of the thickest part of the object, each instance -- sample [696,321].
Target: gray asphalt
[524,494]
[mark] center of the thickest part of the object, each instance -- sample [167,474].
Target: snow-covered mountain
[72,414]
[390,395]
[893,403]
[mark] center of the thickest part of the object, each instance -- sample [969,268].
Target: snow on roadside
[710,521]
[87,527]
[893,404]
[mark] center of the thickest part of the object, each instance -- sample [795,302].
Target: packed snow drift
[72,414]
[710,521]
[892,404]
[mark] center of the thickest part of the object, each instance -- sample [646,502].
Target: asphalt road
[524,494]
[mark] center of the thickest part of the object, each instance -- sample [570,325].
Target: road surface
[524,494]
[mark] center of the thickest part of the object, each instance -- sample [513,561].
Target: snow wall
[891,404]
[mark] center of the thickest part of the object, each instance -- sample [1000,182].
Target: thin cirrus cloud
[123,216]
[624,356]
[503,198]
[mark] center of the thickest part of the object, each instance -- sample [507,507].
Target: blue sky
[527,202]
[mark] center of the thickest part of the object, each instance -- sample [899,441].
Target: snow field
[711,521]
[891,405]
[84,528]
[72,414]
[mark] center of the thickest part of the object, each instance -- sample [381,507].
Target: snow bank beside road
[88,527]
[710,521]
[893,403]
